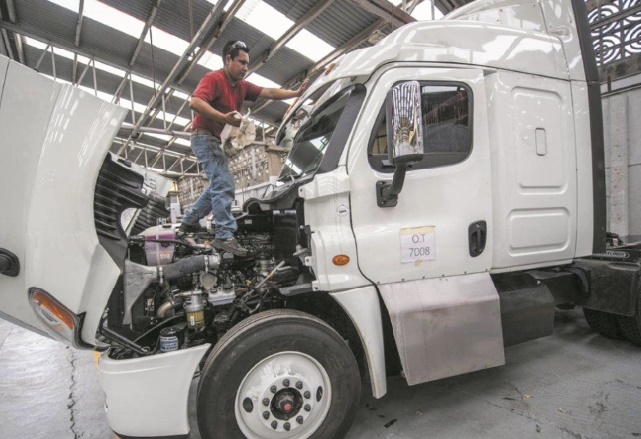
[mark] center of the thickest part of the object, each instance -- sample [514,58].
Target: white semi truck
[444,193]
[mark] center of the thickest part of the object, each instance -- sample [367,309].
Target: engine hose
[166,306]
[190,265]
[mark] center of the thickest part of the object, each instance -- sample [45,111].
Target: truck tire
[279,374]
[604,323]
[631,327]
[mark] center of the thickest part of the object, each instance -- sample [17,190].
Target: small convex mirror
[404,123]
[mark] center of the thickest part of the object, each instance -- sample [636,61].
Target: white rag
[234,139]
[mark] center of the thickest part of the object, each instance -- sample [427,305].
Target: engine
[178,291]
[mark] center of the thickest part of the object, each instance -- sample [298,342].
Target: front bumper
[147,397]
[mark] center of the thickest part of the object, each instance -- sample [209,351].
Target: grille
[118,188]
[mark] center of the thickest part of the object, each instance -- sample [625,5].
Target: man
[216,101]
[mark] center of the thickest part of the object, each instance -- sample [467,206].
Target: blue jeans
[218,197]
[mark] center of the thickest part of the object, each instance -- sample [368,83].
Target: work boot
[229,245]
[191,228]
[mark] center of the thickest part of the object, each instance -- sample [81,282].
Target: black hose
[177,242]
[188,266]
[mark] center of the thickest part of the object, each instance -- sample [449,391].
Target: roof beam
[150,20]
[208,42]
[310,15]
[56,41]
[7,44]
[143,34]
[208,24]
[81,15]
[3,49]
[353,42]
[386,10]
[219,23]
[11,12]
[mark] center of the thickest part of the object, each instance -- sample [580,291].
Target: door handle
[9,263]
[477,233]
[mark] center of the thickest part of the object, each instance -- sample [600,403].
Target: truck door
[442,223]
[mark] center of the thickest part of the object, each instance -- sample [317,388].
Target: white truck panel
[534,175]
[327,212]
[147,396]
[363,307]
[59,145]
[25,109]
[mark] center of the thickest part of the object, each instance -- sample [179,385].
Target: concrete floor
[574,384]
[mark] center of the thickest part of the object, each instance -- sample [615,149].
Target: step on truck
[444,193]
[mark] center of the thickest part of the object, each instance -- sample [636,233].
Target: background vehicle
[444,193]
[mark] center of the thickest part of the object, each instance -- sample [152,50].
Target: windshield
[310,142]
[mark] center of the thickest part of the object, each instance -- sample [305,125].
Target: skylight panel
[35,43]
[183,142]
[211,61]
[181,95]
[309,45]
[126,23]
[126,103]
[164,137]
[424,11]
[143,81]
[166,41]
[109,69]
[265,18]
[61,52]
[106,15]
[262,81]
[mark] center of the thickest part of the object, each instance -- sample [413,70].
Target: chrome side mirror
[404,123]
[404,138]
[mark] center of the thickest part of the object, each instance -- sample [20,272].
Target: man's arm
[204,109]
[280,94]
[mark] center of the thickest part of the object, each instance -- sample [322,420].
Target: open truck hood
[54,140]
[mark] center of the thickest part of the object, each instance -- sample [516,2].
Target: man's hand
[233,118]
[280,93]
[303,86]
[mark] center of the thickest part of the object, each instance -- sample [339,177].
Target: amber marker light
[62,324]
[340,260]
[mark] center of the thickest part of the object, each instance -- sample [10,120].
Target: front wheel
[277,375]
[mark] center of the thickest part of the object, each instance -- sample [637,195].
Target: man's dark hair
[233,48]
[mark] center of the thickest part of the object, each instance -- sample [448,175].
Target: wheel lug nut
[286,426]
[266,402]
[299,419]
[266,414]
[308,408]
[274,389]
[285,383]
[274,425]
[307,395]
[299,385]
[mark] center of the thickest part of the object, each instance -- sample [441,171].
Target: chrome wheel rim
[286,395]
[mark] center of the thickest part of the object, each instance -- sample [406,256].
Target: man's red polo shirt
[216,89]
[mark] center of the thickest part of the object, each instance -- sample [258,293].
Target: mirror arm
[386,192]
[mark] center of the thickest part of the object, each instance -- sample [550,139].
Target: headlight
[62,324]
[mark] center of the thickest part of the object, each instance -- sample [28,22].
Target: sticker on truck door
[417,244]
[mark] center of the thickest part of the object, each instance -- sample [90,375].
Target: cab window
[447,128]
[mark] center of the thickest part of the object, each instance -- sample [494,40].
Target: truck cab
[444,192]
